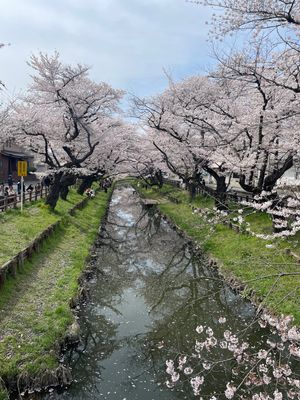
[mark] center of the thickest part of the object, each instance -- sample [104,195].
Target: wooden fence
[232,194]
[172,182]
[14,200]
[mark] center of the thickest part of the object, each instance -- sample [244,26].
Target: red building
[10,154]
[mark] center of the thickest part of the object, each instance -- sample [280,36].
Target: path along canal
[150,294]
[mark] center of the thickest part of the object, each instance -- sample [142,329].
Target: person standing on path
[19,187]
[10,181]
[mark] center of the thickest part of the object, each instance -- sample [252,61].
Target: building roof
[16,154]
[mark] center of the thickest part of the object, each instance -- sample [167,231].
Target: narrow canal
[150,294]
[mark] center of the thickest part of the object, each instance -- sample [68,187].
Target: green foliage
[3,394]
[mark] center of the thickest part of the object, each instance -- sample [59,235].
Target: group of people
[10,190]
[6,190]
[105,184]
[89,192]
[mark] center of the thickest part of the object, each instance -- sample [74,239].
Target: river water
[150,294]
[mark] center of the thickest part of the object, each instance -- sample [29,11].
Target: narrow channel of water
[150,294]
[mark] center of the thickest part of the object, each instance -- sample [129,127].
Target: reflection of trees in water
[176,326]
[184,284]
[178,285]
[183,295]
[179,288]
[96,344]
[181,292]
[120,237]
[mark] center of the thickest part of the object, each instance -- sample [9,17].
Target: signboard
[22,168]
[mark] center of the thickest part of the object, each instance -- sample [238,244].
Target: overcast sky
[127,43]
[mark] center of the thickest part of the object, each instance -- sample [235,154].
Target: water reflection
[150,294]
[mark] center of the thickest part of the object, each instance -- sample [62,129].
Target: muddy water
[150,294]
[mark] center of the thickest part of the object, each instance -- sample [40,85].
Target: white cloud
[128,42]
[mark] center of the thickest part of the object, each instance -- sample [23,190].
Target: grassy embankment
[18,229]
[240,255]
[34,307]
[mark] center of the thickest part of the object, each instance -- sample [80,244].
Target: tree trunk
[64,191]
[66,181]
[221,189]
[192,186]
[220,193]
[85,184]
[159,178]
[54,191]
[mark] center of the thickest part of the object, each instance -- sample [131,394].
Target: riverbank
[262,270]
[18,229]
[35,306]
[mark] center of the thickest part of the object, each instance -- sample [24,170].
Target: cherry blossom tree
[113,156]
[264,122]
[174,154]
[181,163]
[268,144]
[180,118]
[147,163]
[235,122]
[275,69]
[63,117]
[255,15]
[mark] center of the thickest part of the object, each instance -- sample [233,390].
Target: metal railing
[14,200]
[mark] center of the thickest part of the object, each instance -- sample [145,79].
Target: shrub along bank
[35,306]
[264,268]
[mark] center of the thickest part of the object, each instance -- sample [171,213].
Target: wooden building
[10,154]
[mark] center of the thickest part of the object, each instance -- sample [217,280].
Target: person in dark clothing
[46,181]
[10,181]
[19,187]
[30,188]
[105,185]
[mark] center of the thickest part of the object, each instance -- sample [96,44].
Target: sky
[127,43]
